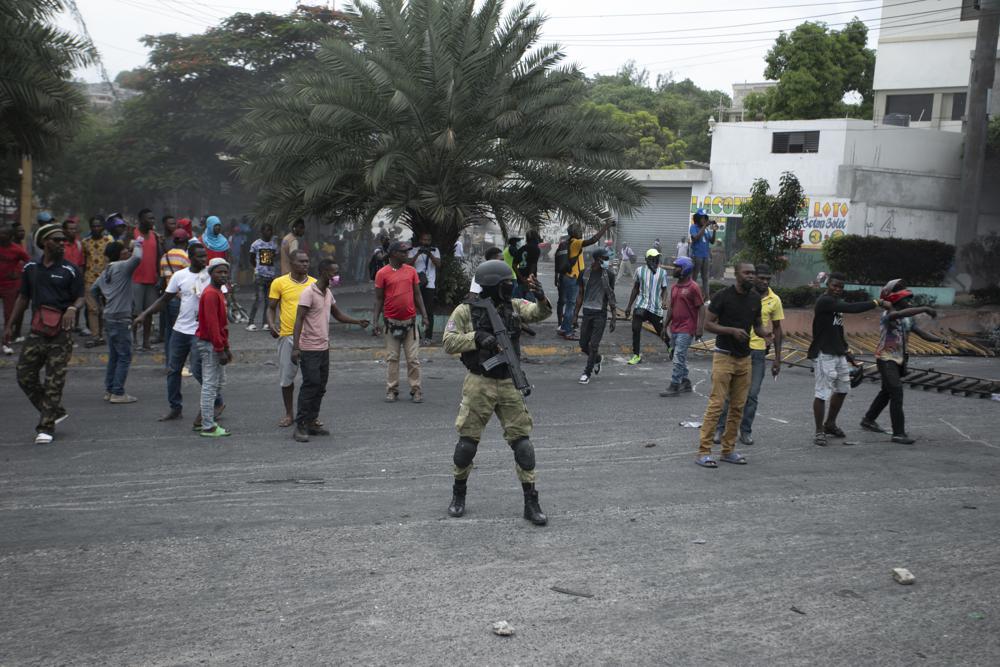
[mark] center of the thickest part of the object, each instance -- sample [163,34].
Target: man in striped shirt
[649,292]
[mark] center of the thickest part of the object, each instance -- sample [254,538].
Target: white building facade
[923,63]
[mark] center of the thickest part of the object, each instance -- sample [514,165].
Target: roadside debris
[691,424]
[568,591]
[797,610]
[903,576]
[503,628]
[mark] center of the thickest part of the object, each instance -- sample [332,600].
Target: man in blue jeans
[702,233]
[569,279]
[188,285]
[685,322]
[115,287]
[771,315]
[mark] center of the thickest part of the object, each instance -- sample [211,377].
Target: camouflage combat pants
[481,398]
[53,355]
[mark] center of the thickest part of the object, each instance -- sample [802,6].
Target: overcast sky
[714,43]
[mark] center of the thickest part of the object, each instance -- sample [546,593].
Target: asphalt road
[130,541]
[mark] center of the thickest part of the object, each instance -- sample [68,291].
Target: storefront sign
[823,217]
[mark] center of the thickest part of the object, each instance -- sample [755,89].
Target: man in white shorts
[832,361]
[282,304]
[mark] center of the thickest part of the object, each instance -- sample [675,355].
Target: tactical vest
[473,359]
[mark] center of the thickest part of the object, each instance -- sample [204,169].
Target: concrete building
[923,63]
[736,113]
[100,95]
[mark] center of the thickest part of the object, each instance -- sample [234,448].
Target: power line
[715,41]
[713,11]
[660,62]
[802,19]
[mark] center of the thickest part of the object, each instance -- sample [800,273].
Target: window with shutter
[795,142]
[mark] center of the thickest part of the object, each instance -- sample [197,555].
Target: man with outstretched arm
[831,359]
[311,347]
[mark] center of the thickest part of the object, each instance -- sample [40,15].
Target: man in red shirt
[146,277]
[398,300]
[213,345]
[685,322]
[13,257]
[73,253]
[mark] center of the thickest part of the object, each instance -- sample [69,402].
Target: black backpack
[562,263]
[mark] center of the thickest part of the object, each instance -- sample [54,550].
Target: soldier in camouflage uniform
[54,288]
[486,392]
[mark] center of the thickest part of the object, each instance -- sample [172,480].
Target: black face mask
[505,290]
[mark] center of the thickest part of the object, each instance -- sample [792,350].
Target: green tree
[681,107]
[647,144]
[447,113]
[40,106]
[771,225]
[815,67]
[168,144]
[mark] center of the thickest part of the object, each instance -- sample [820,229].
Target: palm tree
[443,115]
[39,104]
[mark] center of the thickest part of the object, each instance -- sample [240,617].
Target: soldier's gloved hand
[486,341]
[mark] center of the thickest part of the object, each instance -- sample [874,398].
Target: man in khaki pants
[398,300]
[731,314]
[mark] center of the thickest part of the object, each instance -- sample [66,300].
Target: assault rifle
[507,354]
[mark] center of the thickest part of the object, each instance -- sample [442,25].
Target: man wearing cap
[397,302]
[173,260]
[54,288]
[649,293]
[702,233]
[213,345]
[895,326]
[595,299]
[771,315]
[685,322]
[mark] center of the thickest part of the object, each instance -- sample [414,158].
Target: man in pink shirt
[311,346]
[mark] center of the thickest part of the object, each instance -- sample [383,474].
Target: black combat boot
[532,511]
[457,506]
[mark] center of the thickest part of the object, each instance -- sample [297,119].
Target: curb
[87,359]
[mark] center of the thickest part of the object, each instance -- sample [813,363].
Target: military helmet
[493,272]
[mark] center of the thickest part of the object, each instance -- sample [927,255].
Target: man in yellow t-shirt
[771,315]
[569,280]
[282,304]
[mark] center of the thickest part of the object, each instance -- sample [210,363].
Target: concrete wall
[904,148]
[741,153]
[900,204]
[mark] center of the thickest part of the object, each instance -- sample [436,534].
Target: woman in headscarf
[215,242]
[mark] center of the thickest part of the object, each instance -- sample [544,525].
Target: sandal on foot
[820,439]
[706,462]
[286,422]
[834,430]
[734,457]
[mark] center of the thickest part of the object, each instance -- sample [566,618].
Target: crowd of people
[124,275]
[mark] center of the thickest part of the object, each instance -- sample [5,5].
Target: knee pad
[465,451]
[524,453]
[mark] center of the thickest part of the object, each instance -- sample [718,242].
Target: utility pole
[974,154]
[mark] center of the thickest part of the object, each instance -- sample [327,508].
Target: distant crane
[78,16]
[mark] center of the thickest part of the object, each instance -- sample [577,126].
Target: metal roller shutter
[666,215]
